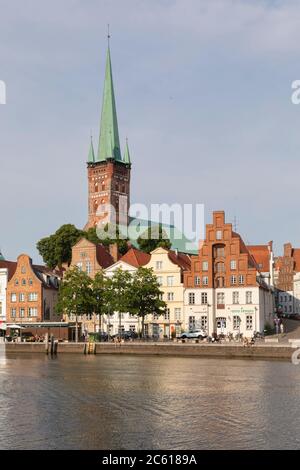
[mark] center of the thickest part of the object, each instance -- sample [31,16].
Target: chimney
[114,252]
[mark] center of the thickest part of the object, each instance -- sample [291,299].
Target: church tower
[108,170]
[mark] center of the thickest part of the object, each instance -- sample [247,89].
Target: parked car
[126,335]
[194,334]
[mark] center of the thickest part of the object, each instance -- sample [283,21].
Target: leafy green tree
[100,296]
[117,293]
[144,296]
[57,248]
[153,238]
[76,295]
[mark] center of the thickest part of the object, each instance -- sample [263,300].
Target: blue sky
[203,92]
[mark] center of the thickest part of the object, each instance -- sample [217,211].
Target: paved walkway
[291,331]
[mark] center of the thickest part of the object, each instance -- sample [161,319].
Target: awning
[13,326]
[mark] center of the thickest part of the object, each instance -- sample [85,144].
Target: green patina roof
[126,158]
[91,157]
[178,239]
[109,143]
[1,257]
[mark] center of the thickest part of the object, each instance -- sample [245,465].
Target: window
[248,297]
[32,312]
[204,265]
[16,282]
[221,323]
[232,264]
[30,282]
[177,312]
[13,297]
[192,323]
[88,267]
[235,297]
[32,296]
[203,322]
[204,297]
[22,312]
[170,296]
[191,298]
[236,322]
[220,298]
[167,314]
[170,281]
[220,267]
[219,234]
[160,280]
[205,280]
[23,282]
[197,280]
[13,312]
[23,270]
[161,295]
[21,297]
[158,264]
[290,308]
[232,280]
[79,266]
[249,322]
[220,252]
[155,316]
[241,279]
[132,328]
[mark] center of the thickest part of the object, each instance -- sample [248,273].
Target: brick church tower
[108,170]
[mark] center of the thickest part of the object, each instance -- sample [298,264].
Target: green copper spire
[1,257]
[109,134]
[126,158]
[91,157]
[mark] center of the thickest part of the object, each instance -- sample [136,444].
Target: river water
[140,402]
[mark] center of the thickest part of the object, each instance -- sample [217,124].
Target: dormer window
[219,235]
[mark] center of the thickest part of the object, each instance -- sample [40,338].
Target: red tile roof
[181,259]
[10,266]
[261,255]
[103,257]
[136,258]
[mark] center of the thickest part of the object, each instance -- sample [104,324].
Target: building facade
[32,293]
[287,280]
[225,292]
[108,171]
[124,321]
[169,267]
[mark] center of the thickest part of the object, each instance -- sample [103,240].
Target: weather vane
[108,33]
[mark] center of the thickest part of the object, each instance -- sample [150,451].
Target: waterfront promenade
[227,350]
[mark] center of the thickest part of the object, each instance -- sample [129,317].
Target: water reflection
[135,402]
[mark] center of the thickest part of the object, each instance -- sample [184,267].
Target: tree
[145,295]
[76,295]
[117,293]
[57,248]
[111,235]
[153,238]
[100,296]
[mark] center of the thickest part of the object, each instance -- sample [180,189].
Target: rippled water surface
[138,402]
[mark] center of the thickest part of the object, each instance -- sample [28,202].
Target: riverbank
[268,351]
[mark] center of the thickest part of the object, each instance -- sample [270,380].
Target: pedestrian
[281,328]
